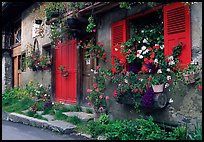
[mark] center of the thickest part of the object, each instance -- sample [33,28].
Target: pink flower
[101,108]
[107,61]
[97,67]
[89,90]
[97,90]
[200,87]
[107,97]
[115,93]
[101,96]
[129,51]
[135,90]
[94,30]
[89,104]
[95,85]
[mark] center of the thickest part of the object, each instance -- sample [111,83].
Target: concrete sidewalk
[51,124]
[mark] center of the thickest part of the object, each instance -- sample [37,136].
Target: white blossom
[166,85]
[171,58]
[155,60]
[126,81]
[138,41]
[171,63]
[162,47]
[150,30]
[140,56]
[171,100]
[140,51]
[168,77]
[92,70]
[156,45]
[53,103]
[144,47]
[145,41]
[168,69]
[116,49]
[141,79]
[41,85]
[142,31]
[146,51]
[159,71]
[45,95]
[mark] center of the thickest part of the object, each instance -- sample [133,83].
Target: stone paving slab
[82,115]
[56,125]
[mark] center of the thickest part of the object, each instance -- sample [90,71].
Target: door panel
[66,86]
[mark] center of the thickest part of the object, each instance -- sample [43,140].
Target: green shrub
[73,119]
[104,119]
[180,133]
[197,134]
[88,110]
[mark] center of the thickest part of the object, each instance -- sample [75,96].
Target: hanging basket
[190,78]
[72,23]
[158,88]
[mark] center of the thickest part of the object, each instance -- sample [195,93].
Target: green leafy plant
[159,79]
[91,25]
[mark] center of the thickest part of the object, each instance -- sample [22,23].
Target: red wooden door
[66,85]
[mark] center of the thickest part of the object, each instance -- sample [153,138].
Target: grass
[35,115]
[18,105]
[88,110]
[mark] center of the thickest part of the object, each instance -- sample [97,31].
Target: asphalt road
[18,131]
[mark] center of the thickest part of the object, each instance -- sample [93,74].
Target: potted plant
[63,71]
[158,81]
[190,72]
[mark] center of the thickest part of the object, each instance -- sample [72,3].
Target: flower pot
[158,88]
[72,23]
[190,78]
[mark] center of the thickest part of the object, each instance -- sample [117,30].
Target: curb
[19,118]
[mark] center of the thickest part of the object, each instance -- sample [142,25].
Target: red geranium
[114,70]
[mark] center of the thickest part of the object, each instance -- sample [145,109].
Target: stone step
[82,115]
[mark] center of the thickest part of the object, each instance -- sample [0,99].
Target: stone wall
[7,70]
[28,19]
[187,103]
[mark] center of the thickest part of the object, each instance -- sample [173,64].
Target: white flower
[142,31]
[168,69]
[146,51]
[126,81]
[156,45]
[95,72]
[140,56]
[138,41]
[159,71]
[171,63]
[45,95]
[150,30]
[141,79]
[116,49]
[166,85]
[171,100]
[171,58]
[41,85]
[168,77]
[144,41]
[140,51]
[156,61]
[144,47]
[162,47]
[92,70]
[53,103]
[122,46]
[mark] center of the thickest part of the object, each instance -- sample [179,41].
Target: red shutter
[177,29]
[118,31]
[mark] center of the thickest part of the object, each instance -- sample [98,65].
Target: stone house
[112,26]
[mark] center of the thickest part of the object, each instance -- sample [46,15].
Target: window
[47,51]
[176,25]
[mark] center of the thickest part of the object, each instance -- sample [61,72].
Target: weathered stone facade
[7,70]
[187,103]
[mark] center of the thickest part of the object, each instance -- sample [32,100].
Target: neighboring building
[112,26]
